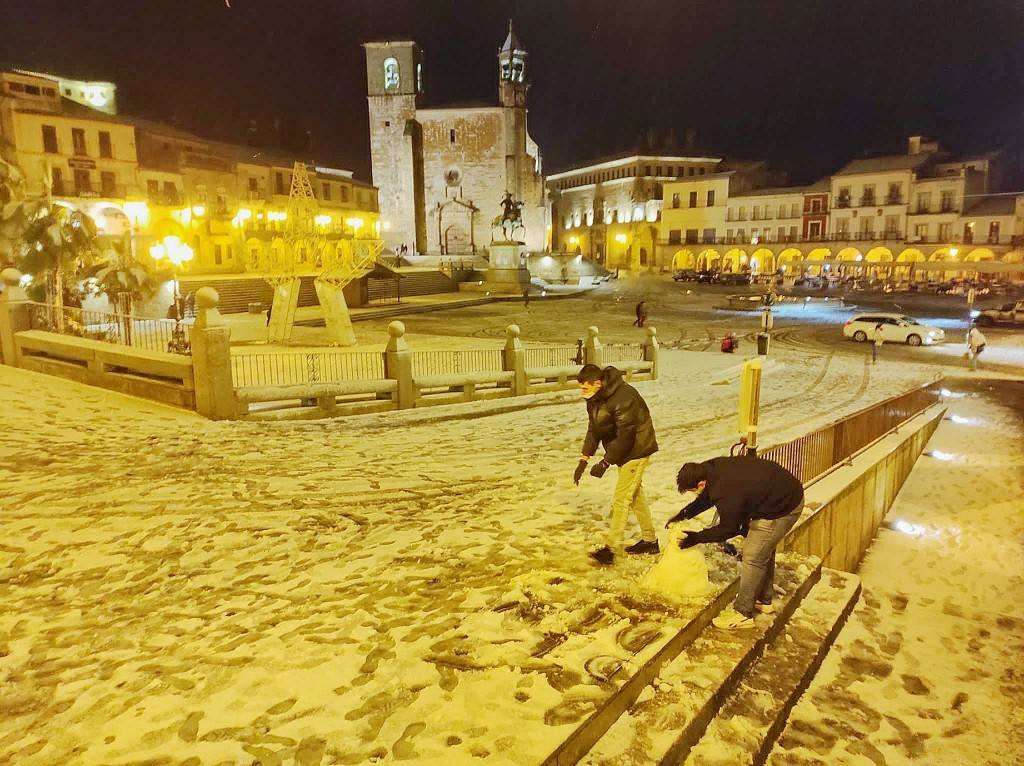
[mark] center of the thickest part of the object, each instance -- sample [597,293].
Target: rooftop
[884,164]
[1002,204]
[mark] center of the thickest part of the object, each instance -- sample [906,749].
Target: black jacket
[619,419]
[743,488]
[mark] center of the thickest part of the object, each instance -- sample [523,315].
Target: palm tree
[14,210]
[58,241]
[125,280]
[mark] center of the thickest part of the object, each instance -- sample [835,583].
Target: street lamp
[177,253]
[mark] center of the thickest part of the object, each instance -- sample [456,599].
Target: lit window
[391,78]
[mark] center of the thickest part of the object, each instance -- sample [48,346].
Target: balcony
[868,201]
[894,199]
[842,202]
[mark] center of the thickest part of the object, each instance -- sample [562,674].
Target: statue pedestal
[507,272]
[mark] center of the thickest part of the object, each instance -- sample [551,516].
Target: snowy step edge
[836,603]
[587,735]
[698,724]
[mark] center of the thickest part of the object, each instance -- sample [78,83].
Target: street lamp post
[176,253]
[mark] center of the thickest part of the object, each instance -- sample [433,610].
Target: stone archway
[876,256]
[734,259]
[848,260]
[684,259]
[905,261]
[708,259]
[762,261]
[822,254]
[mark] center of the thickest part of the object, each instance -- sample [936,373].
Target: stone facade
[442,171]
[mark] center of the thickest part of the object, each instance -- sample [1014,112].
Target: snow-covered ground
[928,670]
[372,588]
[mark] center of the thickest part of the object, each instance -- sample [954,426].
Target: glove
[578,473]
[598,470]
[688,540]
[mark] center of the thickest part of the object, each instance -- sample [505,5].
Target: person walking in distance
[641,314]
[756,498]
[526,296]
[618,419]
[975,345]
[877,339]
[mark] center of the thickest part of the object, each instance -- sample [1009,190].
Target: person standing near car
[975,345]
[618,419]
[877,339]
[756,498]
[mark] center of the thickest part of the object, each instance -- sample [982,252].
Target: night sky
[803,83]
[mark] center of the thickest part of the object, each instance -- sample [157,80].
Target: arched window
[391,78]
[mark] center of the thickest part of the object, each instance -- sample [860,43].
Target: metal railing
[808,457]
[553,356]
[296,368]
[622,352]
[109,327]
[449,362]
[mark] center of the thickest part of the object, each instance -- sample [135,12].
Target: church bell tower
[512,82]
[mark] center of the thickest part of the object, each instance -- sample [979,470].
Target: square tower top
[393,68]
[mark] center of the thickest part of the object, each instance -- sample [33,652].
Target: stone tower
[512,86]
[394,86]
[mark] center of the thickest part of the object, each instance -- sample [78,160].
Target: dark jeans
[757,572]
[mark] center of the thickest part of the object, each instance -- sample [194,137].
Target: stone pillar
[282,310]
[211,359]
[514,360]
[651,350]
[337,320]
[592,351]
[14,315]
[398,366]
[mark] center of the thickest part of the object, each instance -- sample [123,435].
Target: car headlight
[932,333]
[975,314]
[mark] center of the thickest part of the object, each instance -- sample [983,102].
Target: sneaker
[730,619]
[764,608]
[603,556]
[643,546]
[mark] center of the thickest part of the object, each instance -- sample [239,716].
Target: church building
[442,171]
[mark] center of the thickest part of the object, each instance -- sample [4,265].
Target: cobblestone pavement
[175,591]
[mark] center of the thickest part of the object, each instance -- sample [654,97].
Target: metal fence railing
[811,455]
[450,362]
[299,368]
[553,356]
[109,327]
[622,352]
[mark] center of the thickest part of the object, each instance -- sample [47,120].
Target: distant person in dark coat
[641,314]
[270,308]
[756,498]
[618,419]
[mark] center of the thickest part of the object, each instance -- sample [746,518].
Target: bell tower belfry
[512,80]
[394,87]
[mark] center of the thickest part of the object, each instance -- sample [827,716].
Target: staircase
[236,293]
[721,698]
[412,283]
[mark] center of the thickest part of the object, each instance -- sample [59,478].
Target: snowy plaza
[415,585]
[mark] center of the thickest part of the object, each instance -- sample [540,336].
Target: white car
[896,328]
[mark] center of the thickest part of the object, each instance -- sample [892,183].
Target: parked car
[1008,313]
[896,328]
[733,278]
[685,275]
[707,277]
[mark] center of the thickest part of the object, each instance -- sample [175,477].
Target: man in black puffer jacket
[619,420]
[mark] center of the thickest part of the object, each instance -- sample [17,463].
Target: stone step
[679,700]
[752,718]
